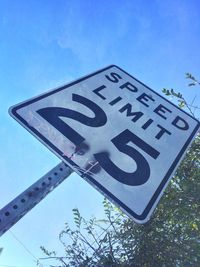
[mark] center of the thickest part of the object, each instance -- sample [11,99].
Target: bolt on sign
[114,131]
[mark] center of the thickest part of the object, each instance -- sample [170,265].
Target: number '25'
[142,172]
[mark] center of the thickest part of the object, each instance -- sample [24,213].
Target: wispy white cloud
[94,39]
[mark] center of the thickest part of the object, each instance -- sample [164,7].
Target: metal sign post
[23,203]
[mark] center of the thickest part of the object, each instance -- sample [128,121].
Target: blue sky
[44,44]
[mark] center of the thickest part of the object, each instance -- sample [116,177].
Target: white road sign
[121,136]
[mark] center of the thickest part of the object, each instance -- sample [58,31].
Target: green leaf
[189,76]
[181,104]
[191,84]
[77,217]
[167,92]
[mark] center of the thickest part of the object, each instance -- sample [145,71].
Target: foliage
[170,239]
[193,80]
[181,100]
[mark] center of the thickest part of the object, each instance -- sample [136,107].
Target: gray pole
[23,203]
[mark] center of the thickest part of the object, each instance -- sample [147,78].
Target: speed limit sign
[114,131]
